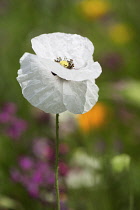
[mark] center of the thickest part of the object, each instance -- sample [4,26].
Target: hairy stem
[56,163]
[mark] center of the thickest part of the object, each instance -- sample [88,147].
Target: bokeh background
[99,151]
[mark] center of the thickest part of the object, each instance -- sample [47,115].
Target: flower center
[65,62]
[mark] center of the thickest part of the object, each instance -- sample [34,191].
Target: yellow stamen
[64,63]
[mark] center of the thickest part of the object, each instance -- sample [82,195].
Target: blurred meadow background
[100,150]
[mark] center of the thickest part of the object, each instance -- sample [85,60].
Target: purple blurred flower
[10,108]
[37,177]
[15,175]
[36,173]
[50,177]
[12,125]
[5,117]
[25,163]
[46,172]
[33,189]
[63,205]
[112,61]
[16,128]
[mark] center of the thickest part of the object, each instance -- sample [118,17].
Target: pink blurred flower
[42,149]
[63,148]
[63,168]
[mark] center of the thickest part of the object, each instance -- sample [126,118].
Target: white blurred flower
[61,76]
[82,159]
[84,172]
[81,178]
[8,203]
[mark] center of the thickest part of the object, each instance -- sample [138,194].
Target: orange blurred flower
[120,33]
[95,118]
[95,8]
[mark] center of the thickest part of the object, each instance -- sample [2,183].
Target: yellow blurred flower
[95,118]
[120,33]
[95,8]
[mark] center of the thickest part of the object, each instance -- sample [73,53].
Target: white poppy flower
[61,76]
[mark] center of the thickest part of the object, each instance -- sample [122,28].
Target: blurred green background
[100,150]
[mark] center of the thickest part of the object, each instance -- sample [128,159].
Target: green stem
[56,163]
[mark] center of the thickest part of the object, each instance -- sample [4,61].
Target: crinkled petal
[39,86]
[91,95]
[93,67]
[79,97]
[72,46]
[72,74]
